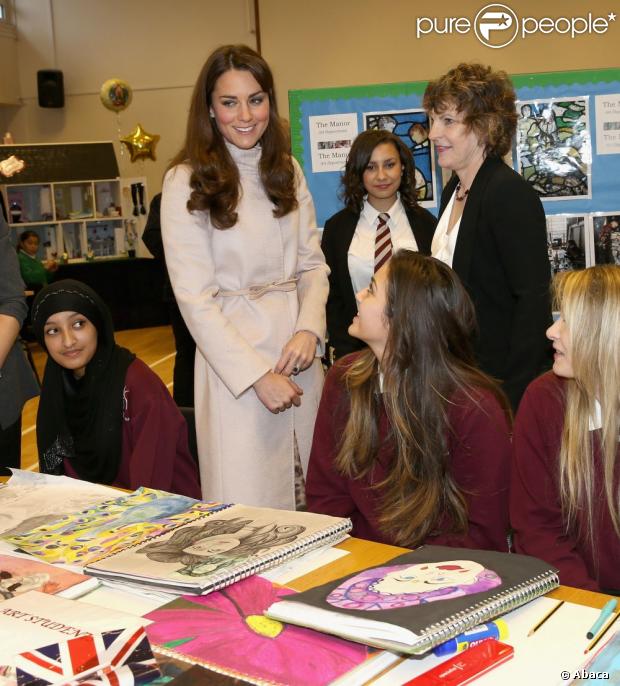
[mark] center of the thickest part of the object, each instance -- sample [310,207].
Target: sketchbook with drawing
[420,599]
[80,537]
[216,550]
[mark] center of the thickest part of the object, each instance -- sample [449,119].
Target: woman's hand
[277,393]
[298,354]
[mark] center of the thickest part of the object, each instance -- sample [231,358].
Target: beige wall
[322,43]
[158,46]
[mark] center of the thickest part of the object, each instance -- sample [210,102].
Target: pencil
[552,611]
[605,629]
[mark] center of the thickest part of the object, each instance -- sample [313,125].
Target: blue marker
[606,612]
[497,629]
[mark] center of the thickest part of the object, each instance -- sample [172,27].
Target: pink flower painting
[227,630]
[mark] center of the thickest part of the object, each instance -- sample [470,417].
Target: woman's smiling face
[458,146]
[71,340]
[240,108]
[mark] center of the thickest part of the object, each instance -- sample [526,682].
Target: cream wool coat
[245,451]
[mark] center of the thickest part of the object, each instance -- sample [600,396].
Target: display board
[567,147]
[57,162]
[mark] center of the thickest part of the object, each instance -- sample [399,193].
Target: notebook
[420,599]
[86,535]
[215,551]
[226,632]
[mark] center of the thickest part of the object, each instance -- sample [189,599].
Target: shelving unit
[78,218]
[72,195]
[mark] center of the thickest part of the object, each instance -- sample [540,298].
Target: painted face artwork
[71,340]
[370,324]
[421,578]
[558,333]
[457,146]
[240,108]
[213,545]
[391,587]
[382,176]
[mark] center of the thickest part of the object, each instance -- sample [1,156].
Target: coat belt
[255,292]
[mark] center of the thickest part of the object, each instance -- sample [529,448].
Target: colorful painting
[227,630]
[391,587]
[607,238]
[110,526]
[554,147]
[412,127]
[25,505]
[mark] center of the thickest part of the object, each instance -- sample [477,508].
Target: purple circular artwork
[394,586]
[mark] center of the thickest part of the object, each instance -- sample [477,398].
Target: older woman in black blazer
[381,215]
[491,227]
[17,382]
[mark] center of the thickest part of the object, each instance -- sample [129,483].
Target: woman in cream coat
[245,263]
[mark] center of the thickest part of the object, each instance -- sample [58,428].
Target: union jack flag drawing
[112,658]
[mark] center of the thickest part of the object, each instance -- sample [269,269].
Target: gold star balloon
[140,143]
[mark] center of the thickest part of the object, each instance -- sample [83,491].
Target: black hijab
[81,419]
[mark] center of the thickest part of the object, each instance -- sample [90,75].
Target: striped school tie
[383,241]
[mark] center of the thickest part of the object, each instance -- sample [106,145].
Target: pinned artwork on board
[569,242]
[554,147]
[141,143]
[606,237]
[116,95]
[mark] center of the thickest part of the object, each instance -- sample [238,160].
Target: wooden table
[364,554]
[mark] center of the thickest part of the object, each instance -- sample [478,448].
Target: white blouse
[444,242]
[361,255]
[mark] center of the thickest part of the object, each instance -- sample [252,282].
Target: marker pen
[497,629]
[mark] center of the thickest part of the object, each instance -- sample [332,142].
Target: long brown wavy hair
[215,177]
[427,358]
[352,183]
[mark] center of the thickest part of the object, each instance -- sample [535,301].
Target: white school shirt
[361,255]
[444,243]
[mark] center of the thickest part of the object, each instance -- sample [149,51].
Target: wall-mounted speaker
[50,88]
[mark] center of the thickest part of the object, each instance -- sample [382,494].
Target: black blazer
[341,306]
[501,257]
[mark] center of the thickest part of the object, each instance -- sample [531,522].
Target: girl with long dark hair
[412,440]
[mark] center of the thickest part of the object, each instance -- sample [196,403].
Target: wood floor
[154,346]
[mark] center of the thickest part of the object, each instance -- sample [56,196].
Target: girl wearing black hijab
[104,416]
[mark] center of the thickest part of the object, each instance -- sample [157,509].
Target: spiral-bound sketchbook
[420,599]
[215,551]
